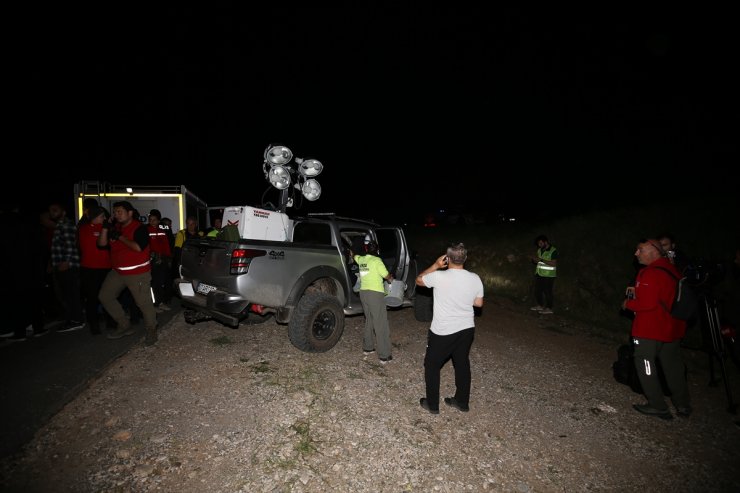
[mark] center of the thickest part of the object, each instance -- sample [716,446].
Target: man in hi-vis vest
[546,262]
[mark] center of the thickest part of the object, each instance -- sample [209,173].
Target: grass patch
[221,341]
[262,367]
[596,250]
[285,464]
[305,445]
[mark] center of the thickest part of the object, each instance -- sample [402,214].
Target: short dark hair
[125,204]
[156,213]
[457,253]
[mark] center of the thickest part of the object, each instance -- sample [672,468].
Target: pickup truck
[304,280]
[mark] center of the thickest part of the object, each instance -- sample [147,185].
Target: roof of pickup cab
[330,216]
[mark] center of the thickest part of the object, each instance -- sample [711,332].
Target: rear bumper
[225,307]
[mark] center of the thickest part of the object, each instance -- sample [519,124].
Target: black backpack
[625,372]
[624,368]
[686,303]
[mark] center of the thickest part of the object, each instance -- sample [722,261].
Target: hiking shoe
[423,402]
[546,311]
[452,402]
[385,361]
[651,411]
[121,332]
[536,308]
[72,326]
[684,412]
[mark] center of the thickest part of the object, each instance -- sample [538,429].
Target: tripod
[718,350]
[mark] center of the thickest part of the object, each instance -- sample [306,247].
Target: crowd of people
[114,267]
[117,268]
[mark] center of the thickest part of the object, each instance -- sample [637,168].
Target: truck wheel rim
[323,324]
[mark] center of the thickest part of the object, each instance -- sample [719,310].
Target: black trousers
[441,349]
[543,290]
[67,287]
[162,282]
[90,281]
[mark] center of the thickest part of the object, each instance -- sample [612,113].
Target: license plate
[205,288]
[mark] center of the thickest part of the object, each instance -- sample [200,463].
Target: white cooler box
[258,224]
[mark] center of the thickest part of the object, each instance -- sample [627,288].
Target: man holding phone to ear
[456,292]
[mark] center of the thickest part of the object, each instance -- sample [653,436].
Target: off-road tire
[423,304]
[317,323]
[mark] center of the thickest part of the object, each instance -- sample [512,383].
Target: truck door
[394,252]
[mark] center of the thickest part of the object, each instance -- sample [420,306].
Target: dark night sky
[428,106]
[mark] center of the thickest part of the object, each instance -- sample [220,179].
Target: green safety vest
[544,270]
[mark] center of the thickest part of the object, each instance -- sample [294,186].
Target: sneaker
[536,308]
[121,332]
[41,332]
[71,326]
[8,334]
[546,311]
[15,338]
[164,307]
[385,361]
[452,402]
[365,352]
[651,411]
[424,403]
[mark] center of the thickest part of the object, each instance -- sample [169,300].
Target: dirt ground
[214,409]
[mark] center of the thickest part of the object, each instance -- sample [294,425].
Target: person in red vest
[130,252]
[94,263]
[159,244]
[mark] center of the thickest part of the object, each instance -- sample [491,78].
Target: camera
[701,271]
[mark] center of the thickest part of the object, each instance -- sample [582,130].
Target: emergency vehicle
[173,201]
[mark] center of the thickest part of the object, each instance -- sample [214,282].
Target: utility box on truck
[258,224]
[173,201]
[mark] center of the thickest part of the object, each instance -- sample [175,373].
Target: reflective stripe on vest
[542,269]
[132,267]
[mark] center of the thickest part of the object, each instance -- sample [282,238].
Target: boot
[151,336]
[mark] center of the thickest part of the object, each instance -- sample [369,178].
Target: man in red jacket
[656,334]
[129,252]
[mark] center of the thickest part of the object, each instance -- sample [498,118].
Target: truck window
[389,248]
[317,233]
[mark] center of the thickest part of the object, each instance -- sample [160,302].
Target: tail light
[241,258]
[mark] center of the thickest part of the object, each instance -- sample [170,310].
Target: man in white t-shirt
[456,292]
